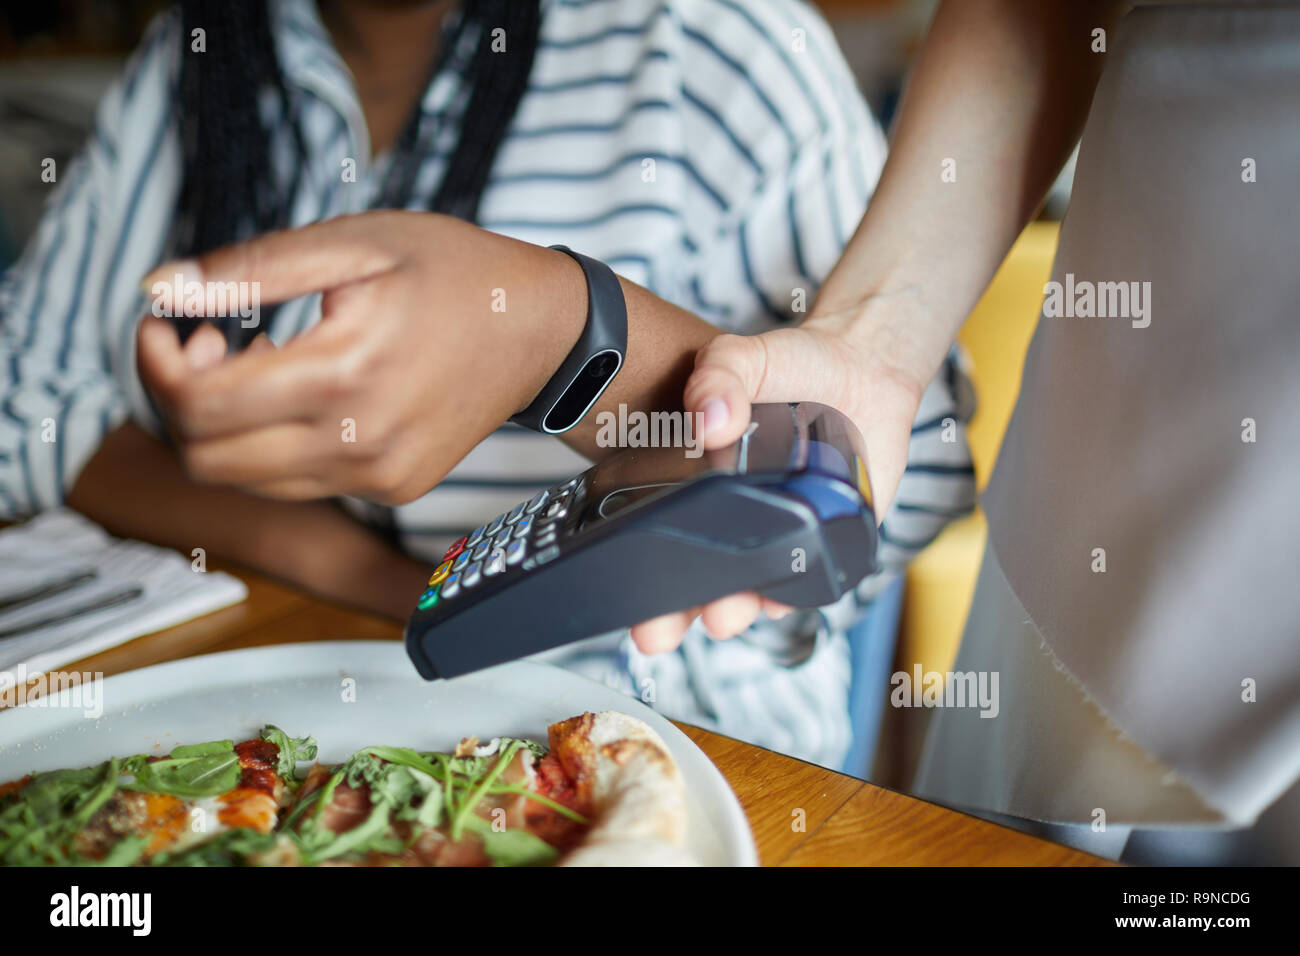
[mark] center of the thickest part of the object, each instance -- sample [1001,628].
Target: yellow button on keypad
[440,573]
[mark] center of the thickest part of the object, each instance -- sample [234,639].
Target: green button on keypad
[429,598]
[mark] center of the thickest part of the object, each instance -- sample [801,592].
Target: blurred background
[57,58]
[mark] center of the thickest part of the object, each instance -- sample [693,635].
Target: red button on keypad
[455,549]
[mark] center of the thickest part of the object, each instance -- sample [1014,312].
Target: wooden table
[801,814]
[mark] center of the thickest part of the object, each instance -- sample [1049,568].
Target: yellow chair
[941,581]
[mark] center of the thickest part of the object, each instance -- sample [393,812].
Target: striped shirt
[715,151]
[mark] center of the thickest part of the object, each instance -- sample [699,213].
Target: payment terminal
[785,511]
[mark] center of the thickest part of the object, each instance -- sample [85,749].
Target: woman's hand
[434,332]
[829,359]
[136,488]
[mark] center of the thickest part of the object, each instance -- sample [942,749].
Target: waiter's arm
[995,103]
[993,108]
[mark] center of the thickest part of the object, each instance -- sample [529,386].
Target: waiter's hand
[434,332]
[814,362]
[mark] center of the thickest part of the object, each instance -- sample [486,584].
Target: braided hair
[228,191]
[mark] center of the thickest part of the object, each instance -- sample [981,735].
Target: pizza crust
[626,772]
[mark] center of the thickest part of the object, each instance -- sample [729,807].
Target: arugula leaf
[405,757]
[320,843]
[476,792]
[125,852]
[538,750]
[393,788]
[558,807]
[196,770]
[237,847]
[364,768]
[209,749]
[512,847]
[38,823]
[292,749]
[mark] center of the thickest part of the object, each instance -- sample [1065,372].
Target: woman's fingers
[164,363]
[277,266]
[203,393]
[205,348]
[205,396]
[260,344]
[274,460]
[160,359]
[261,456]
[259,387]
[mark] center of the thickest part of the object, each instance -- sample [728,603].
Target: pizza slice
[606,792]
[208,803]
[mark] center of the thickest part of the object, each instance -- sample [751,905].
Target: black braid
[228,190]
[499,81]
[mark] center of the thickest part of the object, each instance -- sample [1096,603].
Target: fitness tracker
[592,364]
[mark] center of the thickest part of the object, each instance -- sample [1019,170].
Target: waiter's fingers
[728,374]
[664,633]
[728,616]
[775,609]
[275,267]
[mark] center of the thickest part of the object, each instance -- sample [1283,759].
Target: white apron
[1165,442]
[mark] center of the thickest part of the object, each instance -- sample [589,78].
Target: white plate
[301,689]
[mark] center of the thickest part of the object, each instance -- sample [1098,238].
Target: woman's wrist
[391,584]
[337,557]
[556,315]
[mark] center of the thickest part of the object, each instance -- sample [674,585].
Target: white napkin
[60,543]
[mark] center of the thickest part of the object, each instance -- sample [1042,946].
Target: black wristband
[592,364]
